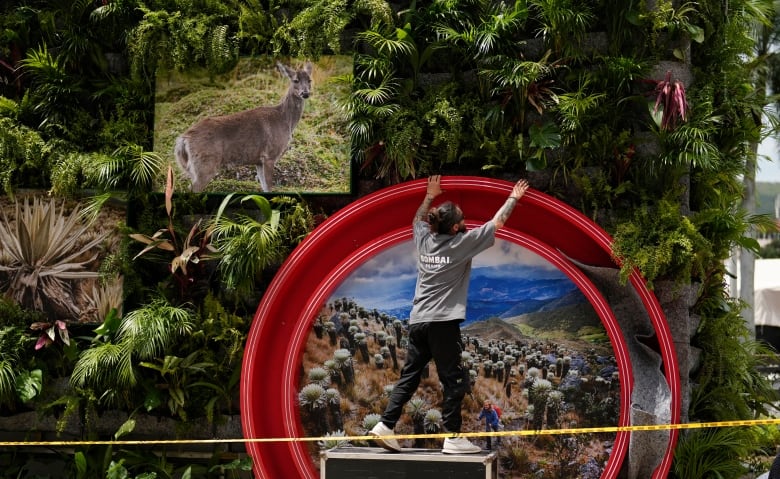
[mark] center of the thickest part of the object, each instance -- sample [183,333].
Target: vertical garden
[125,296]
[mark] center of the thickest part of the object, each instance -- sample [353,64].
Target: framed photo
[534,346]
[356,263]
[51,255]
[268,125]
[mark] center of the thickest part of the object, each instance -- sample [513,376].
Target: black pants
[440,341]
[489,428]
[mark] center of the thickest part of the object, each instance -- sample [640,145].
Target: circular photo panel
[541,342]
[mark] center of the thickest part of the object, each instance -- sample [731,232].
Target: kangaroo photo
[270,127]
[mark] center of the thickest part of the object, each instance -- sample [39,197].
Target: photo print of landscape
[535,347]
[67,275]
[225,115]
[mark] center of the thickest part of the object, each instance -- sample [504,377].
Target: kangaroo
[258,136]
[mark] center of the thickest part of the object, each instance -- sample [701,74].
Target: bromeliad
[670,102]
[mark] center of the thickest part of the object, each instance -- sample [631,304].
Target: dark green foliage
[694,458]
[182,36]
[729,384]
[17,362]
[14,315]
[24,156]
[479,87]
[319,27]
[661,244]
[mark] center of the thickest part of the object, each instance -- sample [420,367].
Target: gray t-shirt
[444,269]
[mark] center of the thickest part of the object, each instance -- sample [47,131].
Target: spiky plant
[432,421]
[333,399]
[379,361]
[538,394]
[344,362]
[312,397]
[333,440]
[105,298]
[430,424]
[417,408]
[370,420]
[554,408]
[45,251]
[319,376]
[313,400]
[332,370]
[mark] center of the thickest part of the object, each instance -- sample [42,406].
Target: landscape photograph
[534,347]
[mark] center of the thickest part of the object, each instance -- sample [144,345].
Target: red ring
[373,223]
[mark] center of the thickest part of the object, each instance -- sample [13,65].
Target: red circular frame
[376,222]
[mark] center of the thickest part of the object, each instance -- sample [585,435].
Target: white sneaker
[381,430]
[459,445]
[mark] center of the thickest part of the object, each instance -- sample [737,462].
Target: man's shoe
[379,432]
[459,445]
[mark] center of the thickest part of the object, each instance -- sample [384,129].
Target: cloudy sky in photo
[386,281]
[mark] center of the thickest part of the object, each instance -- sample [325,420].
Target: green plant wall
[641,114]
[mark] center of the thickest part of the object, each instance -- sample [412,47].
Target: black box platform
[377,463]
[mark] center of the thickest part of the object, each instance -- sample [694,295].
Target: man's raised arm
[503,213]
[433,190]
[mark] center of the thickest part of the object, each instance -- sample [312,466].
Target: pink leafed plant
[50,333]
[670,98]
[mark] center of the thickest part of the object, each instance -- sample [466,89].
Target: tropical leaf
[29,384]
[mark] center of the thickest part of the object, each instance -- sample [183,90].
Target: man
[774,471]
[492,422]
[444,253]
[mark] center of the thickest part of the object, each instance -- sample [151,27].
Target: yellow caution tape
[528,432]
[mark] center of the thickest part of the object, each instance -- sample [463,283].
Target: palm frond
[7,380]
[106,366]
[716,453]
[149,331]
[384,44]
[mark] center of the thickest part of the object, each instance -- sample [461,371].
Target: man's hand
[434,186]
[519,189]
[433,190]
[502,215]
